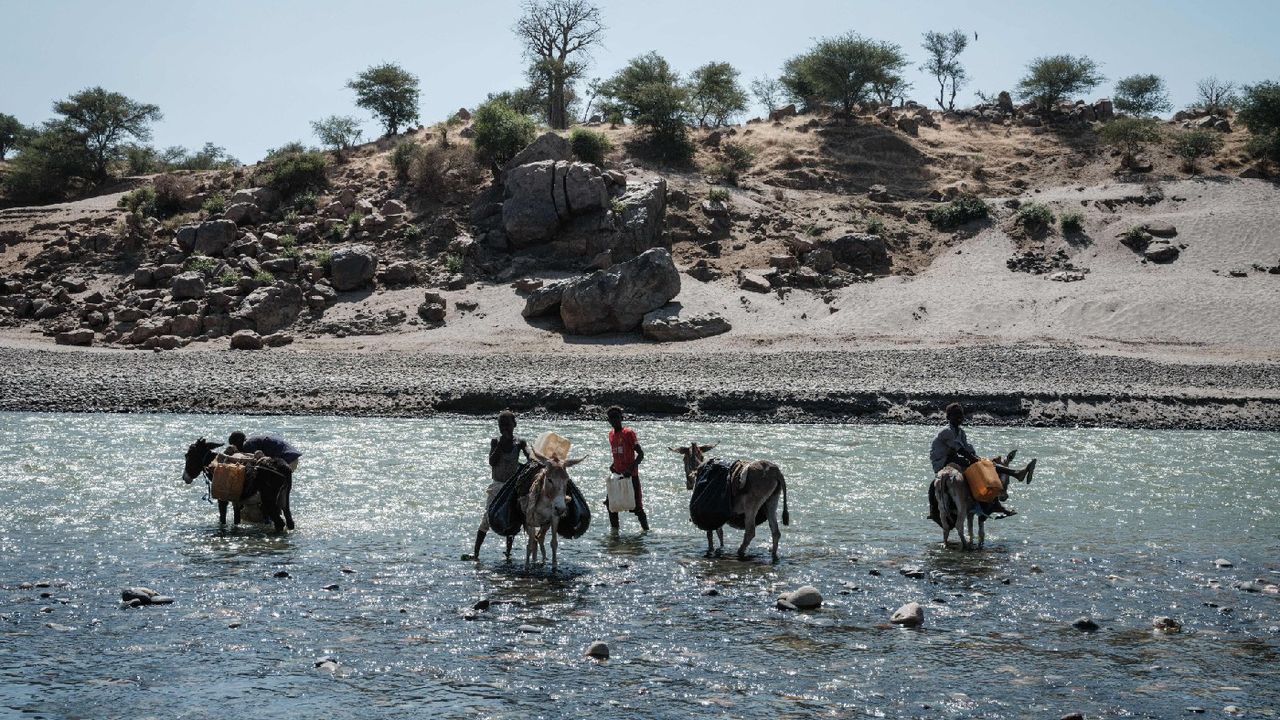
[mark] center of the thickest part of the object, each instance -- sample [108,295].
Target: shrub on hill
[1035,217]
[1049,80]
[1260,112]
[961,211]
[500,132]
[1130,136]
[589,145]
[292,169]
[649,93]
[1193,145]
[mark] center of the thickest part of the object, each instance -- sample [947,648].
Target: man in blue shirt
[270,444]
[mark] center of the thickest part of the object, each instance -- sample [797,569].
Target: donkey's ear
[680,451]
[571,463]
[538,457]
[706,448]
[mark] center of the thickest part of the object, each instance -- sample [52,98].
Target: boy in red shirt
[627,456]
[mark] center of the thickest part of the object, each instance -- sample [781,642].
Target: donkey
[956,503]
[753,485]
[272,480]
[543,506]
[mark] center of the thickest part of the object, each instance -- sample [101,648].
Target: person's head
[614,414]
[955,413]
[237,439]
[506,422]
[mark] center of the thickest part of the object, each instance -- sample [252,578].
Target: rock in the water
[668,324]
[352,266]
[270,308]
[1223,563]
[912,572]
[616,300]
[246,340]
[806,597]
[1085,624]
[786,605]
[531,629]
[598,650]
[1166,624]
[909,615]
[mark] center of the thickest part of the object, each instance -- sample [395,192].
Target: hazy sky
[250,75]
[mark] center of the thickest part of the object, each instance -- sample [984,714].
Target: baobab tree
[558,36]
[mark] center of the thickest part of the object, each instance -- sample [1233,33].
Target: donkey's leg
[530,546]
[711,549]
[720,535]
[749,532]
[555,543]
[774,530]
[285,493]
[982,531]
[222,512]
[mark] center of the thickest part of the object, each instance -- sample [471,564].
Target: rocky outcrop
[639,215]
[617,299]
[187,285]
[214,237]
[670,324]
[269,309]
[862,251]
[539,196]
[352,266]
[548,146]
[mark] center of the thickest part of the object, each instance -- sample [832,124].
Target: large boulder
[548,146]
[263,197]
[640,213]
[862,251]
[214,236]
[270,308]
[543,300]
[187,285]
[246,340]
[541,195]
[616,300]
[669,324]
[783,112]
[352,266]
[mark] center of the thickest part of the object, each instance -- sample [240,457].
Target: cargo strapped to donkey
[507,518]
[984,481]
[711,505]
[228,481]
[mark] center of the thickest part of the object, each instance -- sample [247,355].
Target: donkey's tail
[786,516]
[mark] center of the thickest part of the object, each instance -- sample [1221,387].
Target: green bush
[228,278]
[961,211]
[264,276]
[201,264]
[1035,216]
[842,71]
[293,169]
[738,159]
[453,263]
[306,201]
[1072,222]
[1260,112]
[649,93]
[1142,95]
[440,170]
[141,201]
[171,194]
[716,194]
[354,218]
[1130,136]
[52,165]
[1135,237]
[337,132]
[589,145]
[389,92]
[715,96]
[214,205]
[500,132]
[1193,145]
[324,258]
[402,156]
[875,225]
[289,240]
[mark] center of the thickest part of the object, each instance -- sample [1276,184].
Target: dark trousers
[639,511]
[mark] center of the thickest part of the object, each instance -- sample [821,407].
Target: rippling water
[1119,525]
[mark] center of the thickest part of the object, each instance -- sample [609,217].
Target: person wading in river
[271,445]
[951,447]
[627,456]
[504,462]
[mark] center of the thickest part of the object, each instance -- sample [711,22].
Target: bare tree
[558,35]
[769,93]
[944,63]
[1216,96]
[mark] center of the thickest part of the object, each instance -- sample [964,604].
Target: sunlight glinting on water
[1119,525]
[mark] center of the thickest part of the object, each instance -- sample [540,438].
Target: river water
[1119,525]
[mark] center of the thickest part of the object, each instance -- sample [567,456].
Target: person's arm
[494,455]
[639,459]
[524,448]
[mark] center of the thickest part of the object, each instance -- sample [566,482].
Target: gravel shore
[1002,386]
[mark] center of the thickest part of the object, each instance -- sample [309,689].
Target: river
[1119,525]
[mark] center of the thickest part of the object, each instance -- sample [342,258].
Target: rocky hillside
[814,204]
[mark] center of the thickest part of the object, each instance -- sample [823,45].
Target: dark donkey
[755,486]
[271,479]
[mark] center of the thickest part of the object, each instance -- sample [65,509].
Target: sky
[252,74]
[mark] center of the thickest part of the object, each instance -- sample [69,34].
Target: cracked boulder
[540,196]
[617,299]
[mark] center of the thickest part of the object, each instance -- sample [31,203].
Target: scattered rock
[806,597]
[1161,251]
[598,650]
[531,629]
[330,587]
[1160,229]
[526,285]
[1166,624]
[1223,563]
[786,605]
[187,285]
[82,337]
[783,113]
[246,340]
[909,615]
[912,572]
[616,300]
[862,251]
[666,324]
[213,237]
[282,574]
[544,300]
[352,266]
[270,308]
[753,282]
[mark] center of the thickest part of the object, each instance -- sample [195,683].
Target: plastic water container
[551,445]
[984,481]
[620,493]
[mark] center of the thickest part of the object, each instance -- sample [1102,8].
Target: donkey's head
[199,455]
[694,456]
[555,481]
